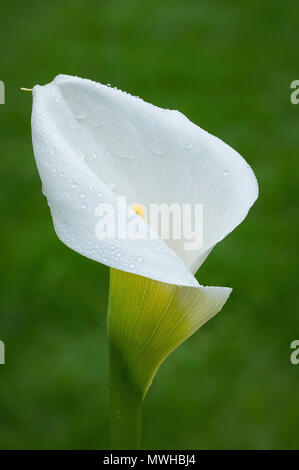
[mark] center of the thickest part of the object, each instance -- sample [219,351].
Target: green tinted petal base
[147,319]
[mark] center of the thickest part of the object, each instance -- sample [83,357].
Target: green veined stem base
[147,320]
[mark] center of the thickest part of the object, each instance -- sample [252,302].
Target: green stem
[125,405]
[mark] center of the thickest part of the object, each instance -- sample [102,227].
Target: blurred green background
[228,67]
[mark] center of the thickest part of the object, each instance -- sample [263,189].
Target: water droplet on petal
[80,116]
[157,150]
[110,160]
[126,156]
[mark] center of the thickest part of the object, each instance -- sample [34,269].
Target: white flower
[89,138]
[93,143]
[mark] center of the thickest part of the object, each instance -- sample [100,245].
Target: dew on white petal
[189,146]
[80,116]
[110,160]
[126,156]
[157,150]
[82,195]
[74,184]
[226,172]
[83,206]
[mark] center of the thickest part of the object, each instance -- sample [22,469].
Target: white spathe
[93,143]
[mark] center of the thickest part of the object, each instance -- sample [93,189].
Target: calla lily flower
[92,144]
